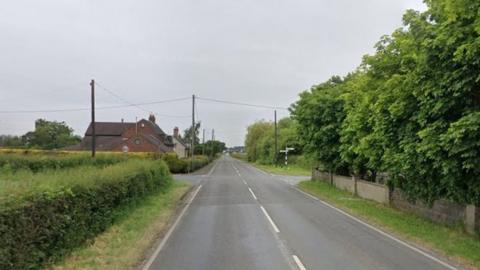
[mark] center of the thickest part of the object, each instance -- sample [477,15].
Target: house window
[137,141]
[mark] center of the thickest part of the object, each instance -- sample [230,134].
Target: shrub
[43,226]
[175,164]
[184,165]
[199,162]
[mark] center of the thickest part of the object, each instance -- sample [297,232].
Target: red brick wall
[143,128]
[144,146]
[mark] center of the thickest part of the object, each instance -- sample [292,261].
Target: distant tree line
[47,135]
[411,110]
[209,148]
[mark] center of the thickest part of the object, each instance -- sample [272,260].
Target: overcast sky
[256,51]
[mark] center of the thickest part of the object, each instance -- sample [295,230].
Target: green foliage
[50,135]
[185,165]
[198,162]
[37,163]
[10,141]
[255,133]
[412,109]
[187,134]
[44,225]
[260,140]
[320,113]
[175,164]
[210,148]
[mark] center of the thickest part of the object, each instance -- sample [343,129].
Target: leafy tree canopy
[411,110]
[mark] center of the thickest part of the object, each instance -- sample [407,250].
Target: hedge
[37,163]
[44,226]
[178,165]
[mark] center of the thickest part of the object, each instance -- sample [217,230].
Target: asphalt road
[243,218]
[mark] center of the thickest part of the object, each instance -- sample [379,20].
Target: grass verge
[124,244]
[452,242]
[283,170]
[294,170]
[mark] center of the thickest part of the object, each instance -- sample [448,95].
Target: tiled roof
[109,128]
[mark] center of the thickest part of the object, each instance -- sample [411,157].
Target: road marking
[170,231]
[244,182]
[236,170]
[253,194]
[212,169]
[275,228]
[433,258]
[306,194]
[299,263]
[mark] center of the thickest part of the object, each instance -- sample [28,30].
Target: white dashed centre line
[299,263]
[275,228]
[253,194]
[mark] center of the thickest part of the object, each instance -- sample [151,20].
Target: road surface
[243,218]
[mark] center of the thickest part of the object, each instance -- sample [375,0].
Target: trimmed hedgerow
[37,163]
[182,165]
[43,226]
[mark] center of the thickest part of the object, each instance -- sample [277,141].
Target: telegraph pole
[203,143]
[193,132]
[276,136]
[92,84]
[213,138]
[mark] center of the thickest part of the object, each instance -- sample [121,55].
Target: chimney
[122,120]
[151,118]
[175,132]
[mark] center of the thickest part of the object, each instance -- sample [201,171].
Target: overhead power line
[113,93]
[243,104]
[98,108]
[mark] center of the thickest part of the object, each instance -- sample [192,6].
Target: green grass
[123,246]
[450,241]
[284,170]
[241,156]
[292,169]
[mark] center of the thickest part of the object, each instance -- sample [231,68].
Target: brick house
[142,136]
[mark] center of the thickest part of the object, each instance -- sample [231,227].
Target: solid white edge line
[433,258]
[253,194]
[170,231]
[275,228]
[299,263]
[306,194]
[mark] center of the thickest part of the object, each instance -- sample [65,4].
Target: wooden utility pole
[203,143]
[92,84]
[193,132]
[213,139]
[276,140]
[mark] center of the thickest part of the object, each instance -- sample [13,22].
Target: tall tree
[319,113]
[50,135]
[187,133]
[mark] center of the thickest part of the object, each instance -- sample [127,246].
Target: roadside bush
[175,164]
[182,165]
[199,162]
[43,226]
